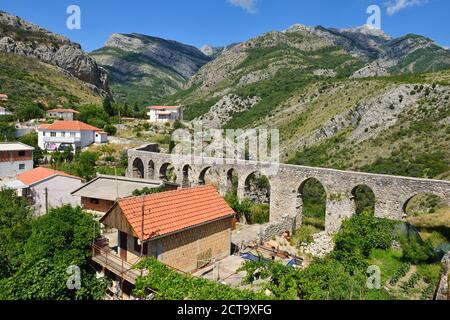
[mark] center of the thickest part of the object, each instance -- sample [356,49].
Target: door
[123,238]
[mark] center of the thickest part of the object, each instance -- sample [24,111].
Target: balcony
[108,259]
[70,140]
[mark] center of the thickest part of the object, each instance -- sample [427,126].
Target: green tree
[31,139]
[58,240]
[15,228]
[29,112]
[85,164]
[93,115]
[108,107]
[7,131]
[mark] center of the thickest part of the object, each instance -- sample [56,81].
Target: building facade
[101,193]
[162,114]
[185,229]
[62,134]
[64,114]
[47,188]
[4,112]
[15,158]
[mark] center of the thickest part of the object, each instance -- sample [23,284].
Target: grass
[27,81]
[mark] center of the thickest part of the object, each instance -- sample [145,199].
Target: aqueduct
[392,193]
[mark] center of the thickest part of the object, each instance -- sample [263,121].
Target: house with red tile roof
[61,113]
[186,229]
[163,114]
[3,97]
[47,188]
[61,134]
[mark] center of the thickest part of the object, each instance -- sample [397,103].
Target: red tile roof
[40,173]
[173,211]
[163,107]
[69,125]
[62,110]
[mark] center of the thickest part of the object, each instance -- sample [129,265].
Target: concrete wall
[11,169]
[392,193]
[59,189]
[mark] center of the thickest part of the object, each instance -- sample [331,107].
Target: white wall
[59,189]
[11,169]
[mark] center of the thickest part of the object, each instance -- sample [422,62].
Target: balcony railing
[109,260]
[61,139]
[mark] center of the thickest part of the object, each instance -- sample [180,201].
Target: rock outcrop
[18,36]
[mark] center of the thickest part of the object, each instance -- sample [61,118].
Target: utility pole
[46,200]
[142,226]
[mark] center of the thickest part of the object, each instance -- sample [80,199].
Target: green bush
[416,252]
[171,285]
[358,236]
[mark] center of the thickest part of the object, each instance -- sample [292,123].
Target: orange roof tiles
[173,211]
[70,125]
[40,173]
[62,110]
[162,107]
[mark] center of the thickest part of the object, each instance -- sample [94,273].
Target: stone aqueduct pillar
[391,192]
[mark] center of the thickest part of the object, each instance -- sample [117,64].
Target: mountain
[342,98]
[29,81]
[143,69]
[20,37]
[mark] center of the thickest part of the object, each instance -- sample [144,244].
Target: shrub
[358,236]
[416,252]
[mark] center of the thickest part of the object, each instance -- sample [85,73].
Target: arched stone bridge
[392,193]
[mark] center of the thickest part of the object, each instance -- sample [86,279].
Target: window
[63,134]
[137,247]
[21,153]
[52,134]
[72,134]
[94,201]
[21,166]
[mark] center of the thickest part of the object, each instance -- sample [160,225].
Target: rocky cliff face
[156,65]
[20,37]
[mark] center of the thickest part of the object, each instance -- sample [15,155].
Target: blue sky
[221,22]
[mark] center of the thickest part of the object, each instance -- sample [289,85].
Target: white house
[61,134]
[164,113]
[64,114]
[47,188]
[4,112]
[15,158]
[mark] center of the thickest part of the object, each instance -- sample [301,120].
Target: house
[15,158]
[186,229]
[61,134]
[60,113]
[4,112]
[101,193]
[163,114]
[3,97]
[47,188]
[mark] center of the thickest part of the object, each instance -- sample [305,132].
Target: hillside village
[73,189]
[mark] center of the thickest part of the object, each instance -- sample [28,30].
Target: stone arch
[311,203]
[166,172]
[201,177]
[138,168]
[151,170]
[187,176]
[423,202]
[232,183]
[257,188]
[363,198]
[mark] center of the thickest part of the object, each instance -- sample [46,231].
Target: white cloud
[247,5]
[395,6]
